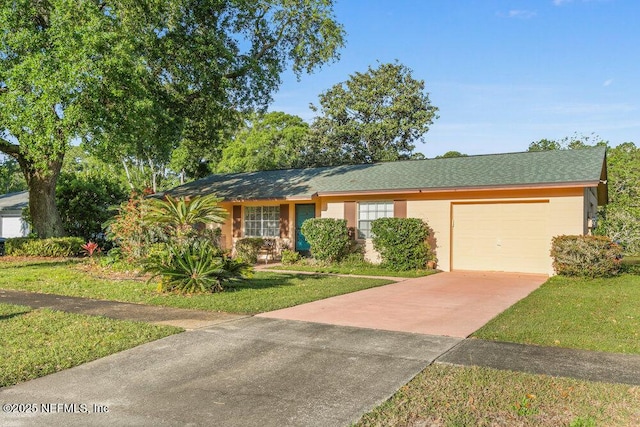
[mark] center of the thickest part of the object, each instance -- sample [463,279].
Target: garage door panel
[501,237]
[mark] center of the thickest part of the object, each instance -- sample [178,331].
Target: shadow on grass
[274,280]
[12,315]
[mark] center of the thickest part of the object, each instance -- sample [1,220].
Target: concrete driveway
[452,304]
[246,372]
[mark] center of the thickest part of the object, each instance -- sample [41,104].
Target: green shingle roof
[484,171]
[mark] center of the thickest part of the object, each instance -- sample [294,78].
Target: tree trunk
[45,217]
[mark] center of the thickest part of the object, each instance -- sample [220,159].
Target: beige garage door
[501,237]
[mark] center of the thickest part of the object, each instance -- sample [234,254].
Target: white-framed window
[262,221]
[367,212]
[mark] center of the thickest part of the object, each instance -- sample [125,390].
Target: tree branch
[262,52]
[8,148]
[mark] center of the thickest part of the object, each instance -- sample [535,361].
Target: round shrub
[589,256]
[328,238]
[401,242]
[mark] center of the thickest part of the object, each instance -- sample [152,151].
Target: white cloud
[519,14]
[607,83]
[522,14]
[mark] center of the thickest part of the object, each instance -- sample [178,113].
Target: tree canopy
[374,116]
[275,140]
[138,78]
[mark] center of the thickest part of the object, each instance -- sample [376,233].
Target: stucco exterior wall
[567,211]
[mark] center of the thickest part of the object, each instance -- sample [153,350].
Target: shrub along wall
[590,256]
[247,249]
[52,247]
[401,242]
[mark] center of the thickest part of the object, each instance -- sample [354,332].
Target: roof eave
[578,184]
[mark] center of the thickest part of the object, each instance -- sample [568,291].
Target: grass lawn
[590,314]
[368,270]
[443,395]
[34,343]
[265,291]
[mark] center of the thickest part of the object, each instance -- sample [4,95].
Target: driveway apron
[452,304]
[246,372]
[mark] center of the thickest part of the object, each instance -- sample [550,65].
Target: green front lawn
[444,395]
[590,314]
[34,343]
[265,291]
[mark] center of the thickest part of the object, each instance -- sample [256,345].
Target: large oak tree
[138,77]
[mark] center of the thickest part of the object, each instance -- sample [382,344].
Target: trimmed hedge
[401,242]
[52,247]
[589,256]
[328,238]
[247,249]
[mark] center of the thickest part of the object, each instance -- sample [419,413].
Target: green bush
[328,238]
[401,242]
[195,266]
[590,256]
[52,247]
[289,257]
[247,249]
[84,200]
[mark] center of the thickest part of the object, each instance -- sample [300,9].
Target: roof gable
[543,168]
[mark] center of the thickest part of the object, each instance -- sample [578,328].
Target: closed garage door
[501,237]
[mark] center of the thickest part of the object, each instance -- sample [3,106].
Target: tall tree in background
[136,78]
[374,116]
[271,141]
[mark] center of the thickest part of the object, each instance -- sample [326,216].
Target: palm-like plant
[195,267]
[182,215]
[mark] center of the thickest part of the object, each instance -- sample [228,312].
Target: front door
[303,213]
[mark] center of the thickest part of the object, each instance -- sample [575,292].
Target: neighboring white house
[11,222]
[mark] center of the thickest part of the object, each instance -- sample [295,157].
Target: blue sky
[503,73]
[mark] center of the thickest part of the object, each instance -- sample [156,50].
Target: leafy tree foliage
[374,116]
[135,79]
[576,141]
[11,178]
[620,219]
[451,154]
[84,200]
[271,141]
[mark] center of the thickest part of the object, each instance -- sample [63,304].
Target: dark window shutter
[237,221]
[350,215]
[400,208]
[284,221]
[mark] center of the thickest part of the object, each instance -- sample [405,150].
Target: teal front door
[303,213]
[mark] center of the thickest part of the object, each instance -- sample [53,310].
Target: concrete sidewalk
[553,361]
[183,318]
